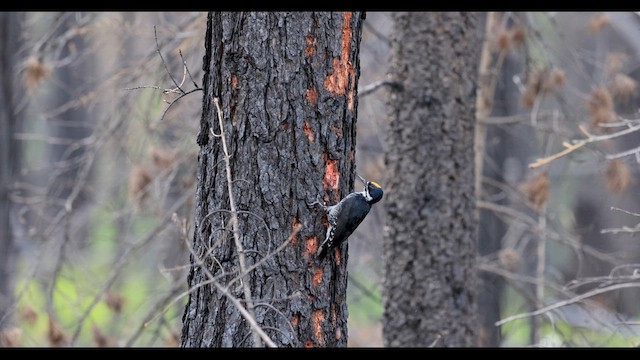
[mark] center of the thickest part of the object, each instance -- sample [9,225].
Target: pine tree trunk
[287,84]
[10,93]
[430,239]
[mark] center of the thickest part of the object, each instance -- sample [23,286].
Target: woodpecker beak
[361,179]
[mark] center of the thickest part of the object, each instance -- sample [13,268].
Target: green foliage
[79,282]
[555,332]
[364,308]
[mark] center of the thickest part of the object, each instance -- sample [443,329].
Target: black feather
[353,208]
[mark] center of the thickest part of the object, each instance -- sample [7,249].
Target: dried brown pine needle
[622,87]
[115,301]
[28,315]
[101,338]
[503,40]
[618,177]
[507,38]
[555,79]
[532,89]
[162,157]
[614,63]
[10,337]
[518,36]
[56,336]
[600,107]
[139,178]
[172,339]
[542,81]
[509,259]
[598,22]
[35,71]
[536,190]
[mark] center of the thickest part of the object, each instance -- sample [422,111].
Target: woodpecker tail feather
[323,249]
[322,252]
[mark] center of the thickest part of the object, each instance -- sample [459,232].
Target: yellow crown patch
[376,184]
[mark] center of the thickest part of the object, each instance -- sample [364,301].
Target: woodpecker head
[372,191]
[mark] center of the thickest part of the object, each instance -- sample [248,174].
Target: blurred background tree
[430,235]
[10,157]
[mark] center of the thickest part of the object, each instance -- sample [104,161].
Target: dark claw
[317,202]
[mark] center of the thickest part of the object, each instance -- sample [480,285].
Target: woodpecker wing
[356,211]
[352,209]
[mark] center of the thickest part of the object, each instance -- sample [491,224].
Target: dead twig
[236,236]
[573,300]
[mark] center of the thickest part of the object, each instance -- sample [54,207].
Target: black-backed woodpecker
[346,215]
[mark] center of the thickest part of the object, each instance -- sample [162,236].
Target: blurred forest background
[97,175]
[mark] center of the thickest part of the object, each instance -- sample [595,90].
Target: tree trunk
[430,238]
[505,161]
[73,122]
[287,84]
[9,154]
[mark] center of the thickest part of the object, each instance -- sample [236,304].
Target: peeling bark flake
[317,277]
[234,81]
[295,224]
[331,175]
[307,131]
[312,42]
[318,318]
[352,92]
[312,95]
[308,344]
[336,130]
[343,69]
[334,315]
[311,246]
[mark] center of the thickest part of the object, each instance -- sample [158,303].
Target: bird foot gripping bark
[318,201]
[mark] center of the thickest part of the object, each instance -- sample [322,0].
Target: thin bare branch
[624,229]
[625,211]
[622,154]
[573,300]
[576,144]
[122,261]
[184,62]
[574,243]
[568,150]
[234,228]
[155,33]
[162,303]
[176,100]
[370,88]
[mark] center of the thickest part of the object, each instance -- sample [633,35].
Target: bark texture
[429,244]
[287,88]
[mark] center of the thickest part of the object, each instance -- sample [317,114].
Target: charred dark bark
[287,88]
[430,240]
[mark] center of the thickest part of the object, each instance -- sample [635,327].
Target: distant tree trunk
[429,245]
[73,121]
[10,156]
[287,84]
[505,161]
